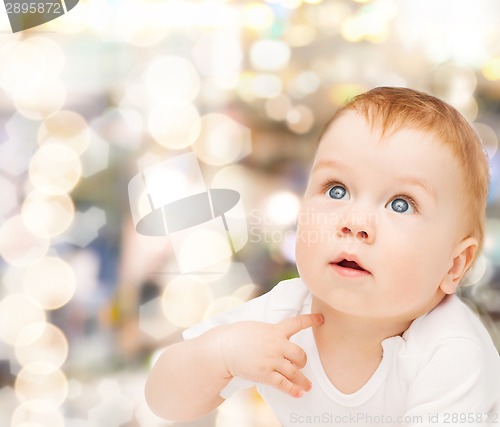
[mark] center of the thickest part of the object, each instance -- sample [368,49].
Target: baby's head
[394,108]
[393,214]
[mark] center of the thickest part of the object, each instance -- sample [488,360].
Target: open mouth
[350,264]
[347,267]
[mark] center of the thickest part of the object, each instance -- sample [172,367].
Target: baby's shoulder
[451,322]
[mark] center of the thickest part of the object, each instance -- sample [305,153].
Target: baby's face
[380,221]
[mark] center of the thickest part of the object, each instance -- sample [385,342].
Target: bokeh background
[93,98]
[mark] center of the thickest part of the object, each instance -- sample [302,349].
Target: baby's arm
[186,380]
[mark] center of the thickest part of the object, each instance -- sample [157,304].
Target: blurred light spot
[16,312]
[219,55]
[235,177]
[96,157]
[18,245]
[172,77]
[24,417]
[215,271]
[98,17]
[179,183]
[244,88]
[14,157]
[445,35]
[41,342]
[122,127]
[9,196]
[216,91]
[369,23]
[152,320]
[247,292]
[75,389]
[47,216]
[300,119]
[257,16]
[33,53]
[174,126]
[201,247]
[145,417]
[54,169]
[109,389]
[269,55]
[328,16]
[185,300]
[469,109]
[222,140]
[41,387]
[115,409]
[7,395]
[245,409]
[85,227]
[266,86]
[392,79]
[12,279]
[16,151]
[221,305]
[278,108]
[288,4]
[488,138]
[148,159]
[136,23]
[455,84]
[282,208]
[42,101]
[305,83]
[67,128]
[300,35]
[134,95]
[51,282]
[491,68]
[341,92]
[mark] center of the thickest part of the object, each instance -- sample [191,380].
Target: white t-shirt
[443,371]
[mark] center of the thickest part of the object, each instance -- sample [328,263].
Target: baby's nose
[361,232]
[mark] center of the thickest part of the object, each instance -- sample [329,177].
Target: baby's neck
[354,332]
[350,347]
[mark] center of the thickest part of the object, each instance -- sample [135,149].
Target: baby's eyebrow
[418,183]
[324,164]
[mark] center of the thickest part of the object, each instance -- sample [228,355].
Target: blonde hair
[394,108]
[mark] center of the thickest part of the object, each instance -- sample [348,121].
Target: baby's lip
[349,261]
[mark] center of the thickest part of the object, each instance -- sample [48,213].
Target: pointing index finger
[295,324]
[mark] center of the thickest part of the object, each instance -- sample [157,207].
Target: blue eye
[400,205]
[338,192]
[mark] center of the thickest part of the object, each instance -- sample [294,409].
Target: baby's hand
[262,352]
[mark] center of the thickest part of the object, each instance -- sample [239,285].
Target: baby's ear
[462,260]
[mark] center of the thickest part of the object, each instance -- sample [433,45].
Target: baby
[371,334]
